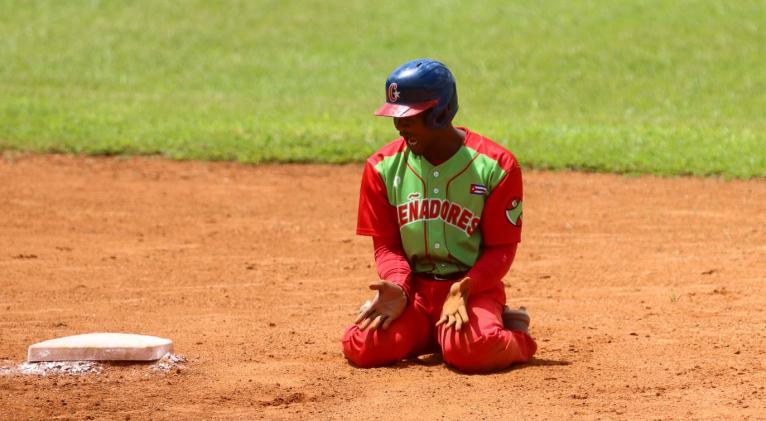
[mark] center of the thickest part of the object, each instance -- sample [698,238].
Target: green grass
[665,87]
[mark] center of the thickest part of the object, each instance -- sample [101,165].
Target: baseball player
[443,206]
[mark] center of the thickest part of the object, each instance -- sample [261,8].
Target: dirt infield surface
[647,295]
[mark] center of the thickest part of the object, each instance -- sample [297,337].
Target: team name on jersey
[452,213]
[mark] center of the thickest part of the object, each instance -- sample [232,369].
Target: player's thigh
[481,338]
[485,318]
[406,336]
[484,345]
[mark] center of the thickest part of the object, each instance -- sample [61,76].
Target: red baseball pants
[481,346]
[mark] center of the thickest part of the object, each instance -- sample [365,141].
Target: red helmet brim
[404,110]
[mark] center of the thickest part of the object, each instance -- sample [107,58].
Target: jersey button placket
[436,187]
[436,191]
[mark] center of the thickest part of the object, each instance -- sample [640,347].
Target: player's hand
[389,303]
[454,312]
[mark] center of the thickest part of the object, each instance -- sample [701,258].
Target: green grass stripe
[636,86]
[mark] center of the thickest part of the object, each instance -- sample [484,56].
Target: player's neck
[447,142]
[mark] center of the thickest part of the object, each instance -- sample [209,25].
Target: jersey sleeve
[502,215]
[391,263]
[492,265]
[376,216]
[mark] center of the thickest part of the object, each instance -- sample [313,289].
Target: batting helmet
[419,85]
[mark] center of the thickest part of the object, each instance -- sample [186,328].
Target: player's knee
[360,357]
[476,356]
[489,352]
[353,347]
[526,345]
[362,350]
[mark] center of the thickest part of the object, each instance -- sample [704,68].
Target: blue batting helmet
[419,85]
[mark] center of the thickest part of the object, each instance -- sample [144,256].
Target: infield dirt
[647,295]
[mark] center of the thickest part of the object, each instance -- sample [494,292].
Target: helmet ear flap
[441,115]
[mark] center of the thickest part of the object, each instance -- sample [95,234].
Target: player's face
[415,132]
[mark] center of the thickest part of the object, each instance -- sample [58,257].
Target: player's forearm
[490,268]
[391,263]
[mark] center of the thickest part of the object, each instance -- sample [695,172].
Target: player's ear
[439,119]
[443,115]
[425,115]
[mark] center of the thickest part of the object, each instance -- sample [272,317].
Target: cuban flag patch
[478,189]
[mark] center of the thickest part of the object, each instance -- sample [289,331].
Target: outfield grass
[665,87]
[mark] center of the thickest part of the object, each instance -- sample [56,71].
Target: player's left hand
[454,312]
[389,303]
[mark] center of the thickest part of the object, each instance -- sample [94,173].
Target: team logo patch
[478,189]
[514,213]
[393,93]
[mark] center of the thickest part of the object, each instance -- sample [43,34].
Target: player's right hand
[389,303]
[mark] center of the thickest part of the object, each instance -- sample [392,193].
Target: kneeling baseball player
[444,208]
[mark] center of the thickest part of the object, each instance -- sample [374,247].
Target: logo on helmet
[393,94]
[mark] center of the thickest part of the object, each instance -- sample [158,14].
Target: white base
[101,347]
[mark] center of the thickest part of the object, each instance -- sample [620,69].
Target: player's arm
[377,218]
[501,232]
[391,262]
[488,271]
[492,265]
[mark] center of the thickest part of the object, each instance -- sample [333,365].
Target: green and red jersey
[444,214]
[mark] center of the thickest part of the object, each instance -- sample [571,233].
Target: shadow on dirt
[534,362]
[435,359]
